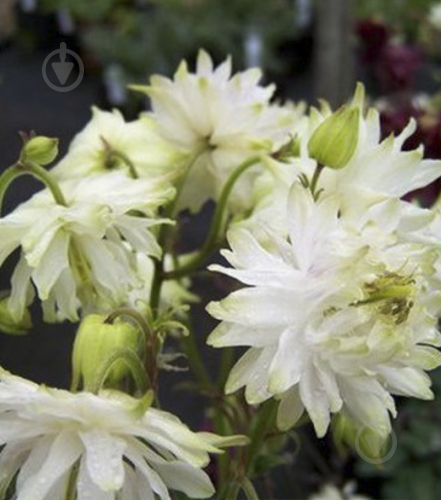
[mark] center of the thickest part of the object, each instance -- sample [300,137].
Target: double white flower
[224,118]
[108,143]
[339,316]
[81,255]
[102,444]
[378,170]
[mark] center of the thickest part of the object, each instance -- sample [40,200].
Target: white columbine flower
[378,170]
[339,316]
[137,142]
[225,118]
[104,444]
[81,255]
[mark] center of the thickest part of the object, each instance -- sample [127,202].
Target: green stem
[314,181]
[5,180]
[248,489]
[132,361]
[195,361]
[227,360]
[30,168]
[158,272]
[125,159]
[149,337]
[216,225]
[265,421]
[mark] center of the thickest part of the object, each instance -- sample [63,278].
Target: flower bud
[41,150]
[8,324]
[94,342]
[334,141]
[349,434]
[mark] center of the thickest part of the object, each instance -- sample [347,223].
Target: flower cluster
[343,297]
[338,300]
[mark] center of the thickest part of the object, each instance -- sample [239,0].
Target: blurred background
[310,49]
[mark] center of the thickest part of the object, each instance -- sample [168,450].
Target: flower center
[391,294]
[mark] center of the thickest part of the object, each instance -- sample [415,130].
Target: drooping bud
[94,343]
[360,438]
[8,324]
[41,150]
[334,141]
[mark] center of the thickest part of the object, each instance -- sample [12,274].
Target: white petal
[183,477]
[87,489]
[63,453]
[104,458]
[290,409]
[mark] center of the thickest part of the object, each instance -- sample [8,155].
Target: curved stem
[30,168]
[5,180]
[149,336]
[248,489]
[132,361]
[216,225]
[125,159]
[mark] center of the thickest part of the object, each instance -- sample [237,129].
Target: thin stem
[5,180]
[149,337]
[158,271]
[195,361]
[44,176]
[216,225]
[23,167]
[125,159]
[133,362]
[227,359]
[248,489]
[314,181]
[264,423]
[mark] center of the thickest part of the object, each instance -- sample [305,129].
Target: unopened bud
[94,343]
[334,141]
[41,150]
[8,324]
[348,434]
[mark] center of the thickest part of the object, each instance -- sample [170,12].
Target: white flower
[81,255]
[138,141]
[104,443]
[330,492]
[378,170]
[227,119]
[339,316]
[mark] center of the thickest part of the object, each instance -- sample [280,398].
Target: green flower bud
[94,342]
[334,141]
[346,435]
[8,324]
[41,150]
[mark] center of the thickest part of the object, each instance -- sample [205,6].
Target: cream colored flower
[378,170]
[107,132]
[81,255]
[225,118]
[106,444]
[338,317]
